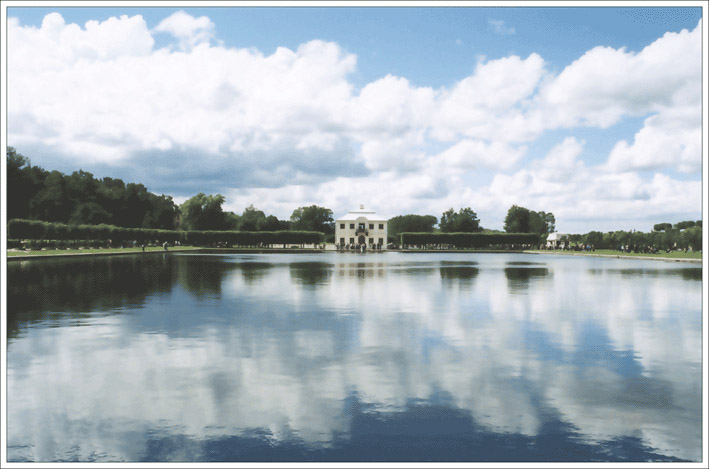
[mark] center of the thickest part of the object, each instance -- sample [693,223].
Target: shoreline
[312,250]
[620,256]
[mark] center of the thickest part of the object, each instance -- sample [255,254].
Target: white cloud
[470,154]
[564,185]
[489,103]
[672,138]
[606,84]
[263,124]
[189,30]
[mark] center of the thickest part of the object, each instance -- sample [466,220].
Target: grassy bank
[612,252]
[64,252]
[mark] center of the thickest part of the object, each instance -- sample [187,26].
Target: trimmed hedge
[469,240]
[41,230]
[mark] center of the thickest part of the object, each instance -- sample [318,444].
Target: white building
[361,227]
[557,240]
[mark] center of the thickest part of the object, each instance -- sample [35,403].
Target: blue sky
[451,106]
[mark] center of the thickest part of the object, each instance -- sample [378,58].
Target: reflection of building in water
[361,227]
[361,269]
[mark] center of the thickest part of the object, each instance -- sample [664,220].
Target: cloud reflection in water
[306,357]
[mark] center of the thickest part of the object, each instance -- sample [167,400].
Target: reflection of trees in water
[518,278]
[458,272]
[310,273]
[44,288]
[202,275]
[688,273]
[253,272]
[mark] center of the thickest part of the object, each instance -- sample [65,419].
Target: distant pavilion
[361,227]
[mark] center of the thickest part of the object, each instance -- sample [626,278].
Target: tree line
[81,199]
[109,235]
[465,220]
[664,237]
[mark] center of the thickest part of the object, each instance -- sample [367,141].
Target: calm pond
[353,357]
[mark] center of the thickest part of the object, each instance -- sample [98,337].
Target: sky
[591,113]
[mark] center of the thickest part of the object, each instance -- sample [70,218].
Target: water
[349,357]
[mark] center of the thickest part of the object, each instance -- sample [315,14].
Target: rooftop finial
[361,206]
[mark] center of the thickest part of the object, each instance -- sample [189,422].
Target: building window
[351,240]
[371,241]
[342,241]
[342,226]
[352,226]
[381,226]
[381,241]
[371,226]
[361,226]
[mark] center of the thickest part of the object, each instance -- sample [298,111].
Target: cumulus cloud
[240,121]
[672,138]
[471,154]
[563,184]
[189,30]
[605,84]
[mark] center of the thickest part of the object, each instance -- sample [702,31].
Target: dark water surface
[347,357]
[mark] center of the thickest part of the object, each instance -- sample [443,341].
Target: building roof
[362,212]
[556,236]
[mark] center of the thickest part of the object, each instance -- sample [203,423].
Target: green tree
[692,237]
[684,224]
[272,223]
[203,212]
[517,220]
[24,182]
[523,220]
[313,218]
[252,219]
[410,224]
[465,221]
[231,221]
[594,238]
[52,202]
[79,198]
[662,227]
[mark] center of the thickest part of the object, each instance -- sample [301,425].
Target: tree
[231,221]
[203,212]
[52,202]
[313,218]
[594,238]
[271,223]
[523,220]
[662,227]
[79,198]
[24,182]
[684,224]
[465,221]
[164,214]
[251,219]
[517,220]
[410,224]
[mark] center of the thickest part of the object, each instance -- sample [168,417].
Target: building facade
[361,228]
[557,241]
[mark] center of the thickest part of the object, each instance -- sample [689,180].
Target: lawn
[612,252]
[56,252]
